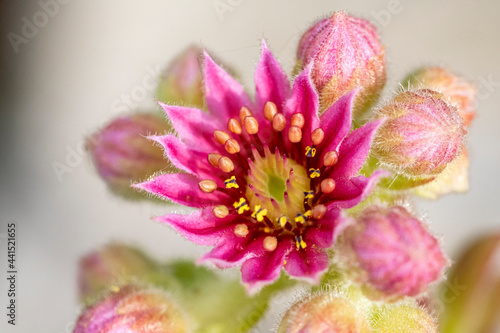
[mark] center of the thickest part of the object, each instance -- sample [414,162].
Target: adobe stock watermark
[486,87]
[225,6]
[384,16]
[30,27]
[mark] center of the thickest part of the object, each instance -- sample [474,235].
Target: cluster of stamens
[278,194]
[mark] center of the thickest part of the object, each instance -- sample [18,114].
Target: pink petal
[328,228]
[259,271]
[183,189]
[304,100]
[187,159]
[232,250]
[194,126]
[308,264]
[350,192]
[200,227]
[224,95]
[271,83]
[336,121]
[354,150]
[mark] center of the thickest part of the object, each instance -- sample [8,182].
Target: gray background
[61,85]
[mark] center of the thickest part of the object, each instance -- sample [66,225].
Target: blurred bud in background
[113,265]
[182,81]
[402,318]
[456,90]
[324,313]
[133,310]
[422,134]
[390,253]
[471,299]
[122,154]
[346,53]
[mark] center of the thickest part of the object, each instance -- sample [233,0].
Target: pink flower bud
[402,318]
[323,314]
[115,264]
[347,54]
[182,82]
[122,154]
[456,90]
[391,252]
[132,310]
[421,135]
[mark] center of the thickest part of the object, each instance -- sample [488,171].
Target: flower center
[278,186]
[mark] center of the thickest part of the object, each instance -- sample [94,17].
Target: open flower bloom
[269,176]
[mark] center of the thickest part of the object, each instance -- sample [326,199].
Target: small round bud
[270,243]
[233,125]
[225,164]
[251,125]
[279,122]
[331,158]
[132,309]
[182,82]
[244,112]
[213,159]
[324,313]
[111,265]
[207,186]
[241,230]
[221,136]
[295,134]
[391,252]
[232,146]
[317,136]
[402,318]
[318,211]
[122,154]
[347,54]
[270,110]
[220,211]
[421,135]
[327,185]
[298,120]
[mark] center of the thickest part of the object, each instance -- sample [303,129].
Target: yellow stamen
[259,213]
[231,182]
[241,206]
[314,173]
[310,151]
[282,220]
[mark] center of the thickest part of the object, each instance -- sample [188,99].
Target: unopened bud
[347,54]
[402,318]
[115,264]
[324,313]
[391,253]
[182,82]
[122,154]
[421,135]
[455,89]
[132,309]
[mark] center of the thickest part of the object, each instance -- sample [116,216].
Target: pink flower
[269,177]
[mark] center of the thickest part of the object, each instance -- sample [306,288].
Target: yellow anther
[259,213]
[300,243]
[314,173]
[300,218]
[282,220]
[241,206]
[308,213]
[310,151]
[231,183]
[309,195]
[267,230]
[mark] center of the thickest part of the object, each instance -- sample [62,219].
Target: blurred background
[64,67]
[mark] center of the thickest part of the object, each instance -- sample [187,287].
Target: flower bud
[454,179]
[324,313]
[346,53]
[115,264]
[182,82]
[133,310]
[122,154]
[456,90]
[421,135]
[402,318]
[391,253]
[471,294]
